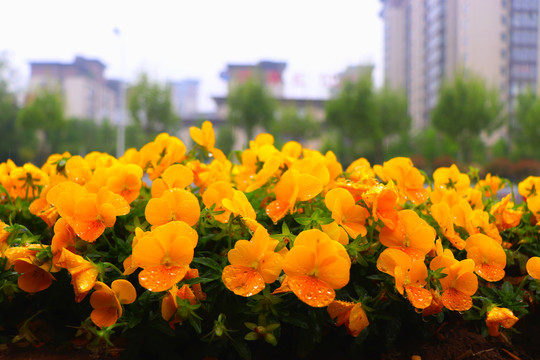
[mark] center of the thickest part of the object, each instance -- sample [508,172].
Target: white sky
[175,40]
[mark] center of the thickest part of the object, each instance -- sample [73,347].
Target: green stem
[108,264]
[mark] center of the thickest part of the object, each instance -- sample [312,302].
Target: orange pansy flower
[533,267]
[533,204]
[442,215]
[33,276]
[474,221]
[346,213]
[410,276]
[161,153]
[505,216]
[26,181]
[175,176]
[125,180]
[3,237]
[529,187]
[239,205]
[315,266]
[408,179]
[336,232]
[253,263]
[411,234]
[488,255]
[444,195]
[169,303]
[174,204]
[497,317]
[204,136]
[292,187]
[214,195]
[451,178]
[460,283]
[269,168]
[87,213]
[351,314]
[64,237]
[83,272]
[382,200]
[436,305]
[490,185]
[78,170]
[107,301]
[165,255]
[42,208]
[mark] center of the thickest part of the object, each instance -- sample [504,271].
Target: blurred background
[440,81]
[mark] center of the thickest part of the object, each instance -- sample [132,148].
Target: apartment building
[427,41]
[87,94]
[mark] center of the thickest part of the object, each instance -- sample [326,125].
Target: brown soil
[458,340]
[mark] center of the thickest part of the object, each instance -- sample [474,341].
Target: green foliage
[9,139]
[367,119]
[41,120]
[150,107]
[526,132]
[250,105]
[81,136]
[293,126]
[466,109]
[225,138]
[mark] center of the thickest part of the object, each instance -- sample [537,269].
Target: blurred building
[427,41]
[351,74]
[184,97]
[270,74]
[85,91]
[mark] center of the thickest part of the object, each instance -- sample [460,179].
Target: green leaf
[208,262]
[302,220]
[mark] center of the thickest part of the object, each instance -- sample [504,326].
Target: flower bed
[276,252]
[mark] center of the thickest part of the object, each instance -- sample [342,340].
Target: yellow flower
[346,213]
[408,179]
[175,176]
[87,213]
[488,255]
[451,178]
[165,255]
[204,136]
[174,204]
[499,317]
[83,272]
[239,205]
[315,266]
[292,187]
[107,301]
[412,235]
[351,314]
[253,263]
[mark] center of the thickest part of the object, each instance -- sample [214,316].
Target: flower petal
[311,290]
[242,280]
[161,278]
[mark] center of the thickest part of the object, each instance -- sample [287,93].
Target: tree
[42,120]
[526,132]
[250,105]
[293,126]
[367,119]
[9,134]
[466,109]
[150,106]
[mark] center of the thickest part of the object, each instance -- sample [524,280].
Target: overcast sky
[175,40]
